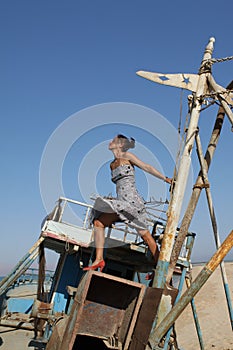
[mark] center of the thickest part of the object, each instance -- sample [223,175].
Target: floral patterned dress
[128,204]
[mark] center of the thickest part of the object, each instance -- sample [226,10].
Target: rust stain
[168,238]
[221,253]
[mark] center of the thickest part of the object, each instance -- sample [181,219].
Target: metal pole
[180,185]
[196,321]
[221,98]
[26,261]
[180,287]
[200,280]
[196,190]
[214,225]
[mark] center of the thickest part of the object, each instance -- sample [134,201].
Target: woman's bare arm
[146,167]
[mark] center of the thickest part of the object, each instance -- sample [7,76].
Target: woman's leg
[99,237]
[149,240]
[105,220]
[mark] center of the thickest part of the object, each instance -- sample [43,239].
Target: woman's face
[115,143]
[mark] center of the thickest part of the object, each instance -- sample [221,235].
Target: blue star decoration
[186,80]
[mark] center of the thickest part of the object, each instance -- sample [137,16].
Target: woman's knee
[146,236]
[144,233]
[98,223]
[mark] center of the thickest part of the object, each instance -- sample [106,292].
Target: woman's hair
[128,142]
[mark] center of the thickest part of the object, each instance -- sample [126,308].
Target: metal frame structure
[203,87]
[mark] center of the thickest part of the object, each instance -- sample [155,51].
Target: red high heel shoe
[100,265]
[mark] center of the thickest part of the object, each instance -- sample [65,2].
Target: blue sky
[59,58]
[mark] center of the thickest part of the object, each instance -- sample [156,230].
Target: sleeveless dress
[128,204]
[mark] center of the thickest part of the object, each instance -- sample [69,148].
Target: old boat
[73,309]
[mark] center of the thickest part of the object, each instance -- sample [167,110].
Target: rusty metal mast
[202,86]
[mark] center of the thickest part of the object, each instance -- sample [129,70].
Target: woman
[128,207]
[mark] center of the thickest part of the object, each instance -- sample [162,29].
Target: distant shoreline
[201,263]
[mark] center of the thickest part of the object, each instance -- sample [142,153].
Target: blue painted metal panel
[70,276]
[20,305]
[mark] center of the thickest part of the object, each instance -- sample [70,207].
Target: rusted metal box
[105,307]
